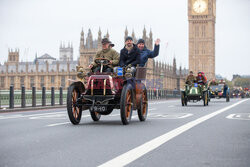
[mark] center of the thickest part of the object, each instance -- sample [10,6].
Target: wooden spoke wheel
[126,104]
[74,110]
[143,108]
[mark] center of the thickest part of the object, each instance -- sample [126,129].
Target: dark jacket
[132,58]
[146,53]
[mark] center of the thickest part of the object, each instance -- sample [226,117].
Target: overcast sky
[39,26]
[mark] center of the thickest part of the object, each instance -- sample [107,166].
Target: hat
[105,40]
[140,41]
[112,45]
[128,38]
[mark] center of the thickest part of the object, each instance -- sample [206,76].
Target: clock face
[199,6]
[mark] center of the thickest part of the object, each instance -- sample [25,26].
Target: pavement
[172,135]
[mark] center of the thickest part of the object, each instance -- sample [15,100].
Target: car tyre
[227,97]
[143,108]
[126,104]
[95,115]
[205,99]
[74,111]
[183,100]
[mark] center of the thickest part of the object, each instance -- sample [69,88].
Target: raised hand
[90,66]
[157,42]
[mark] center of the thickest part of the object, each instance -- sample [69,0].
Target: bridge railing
[32,98]
[162,94]
[35,98]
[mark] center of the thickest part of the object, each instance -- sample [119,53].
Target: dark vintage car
[220,91]
[101,92]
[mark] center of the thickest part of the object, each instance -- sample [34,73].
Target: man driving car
[106,53]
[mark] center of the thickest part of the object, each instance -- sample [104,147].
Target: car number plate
[98,108]
[195,85]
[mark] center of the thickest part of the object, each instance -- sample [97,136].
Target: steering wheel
[103,61]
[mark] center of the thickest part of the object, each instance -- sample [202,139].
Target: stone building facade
[66,52]
[43,71]
[47,71]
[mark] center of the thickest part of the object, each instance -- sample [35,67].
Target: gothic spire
[107,35]
[150,34]
[99,45]
[90,40]
[144,36]
[126,33]
[174,66]
[133,35]
[99,34]
[82,40]
[82,33]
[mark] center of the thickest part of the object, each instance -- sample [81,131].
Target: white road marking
[186,115]
[51,116]
[170,116]
[239,116]
[114,115]
[11,116]
[62,123]
[230,116]
[143,149]
[134,116]
[26,116]
[171,106]
[85,116]
[163,102]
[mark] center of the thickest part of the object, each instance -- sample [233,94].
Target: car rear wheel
[143,108]
[227,97]
[126,104]
[95,115]
[74,110]
[205,99]
[182,98]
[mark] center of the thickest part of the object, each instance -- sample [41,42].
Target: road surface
[172,135]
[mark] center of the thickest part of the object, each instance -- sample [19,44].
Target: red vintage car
[105,91]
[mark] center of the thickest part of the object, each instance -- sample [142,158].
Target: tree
[242,82]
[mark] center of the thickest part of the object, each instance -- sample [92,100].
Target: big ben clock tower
[201,17]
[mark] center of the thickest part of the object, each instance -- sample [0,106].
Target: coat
[201,79]
[133,57]
[146,53]
[190,79]
[109,54]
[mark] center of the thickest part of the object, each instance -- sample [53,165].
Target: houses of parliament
[46,71]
